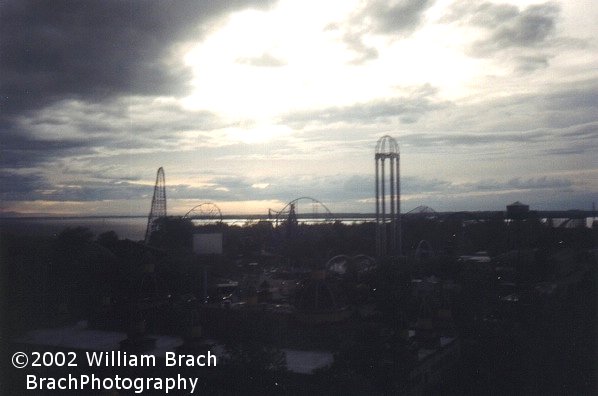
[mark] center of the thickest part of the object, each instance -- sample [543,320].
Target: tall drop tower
[388,214]
[158,204]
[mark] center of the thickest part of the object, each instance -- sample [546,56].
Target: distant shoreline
[569,213]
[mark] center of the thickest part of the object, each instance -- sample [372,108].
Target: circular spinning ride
[342,263]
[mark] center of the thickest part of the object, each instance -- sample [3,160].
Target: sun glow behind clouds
[261,64]
[260,133]
[229,83]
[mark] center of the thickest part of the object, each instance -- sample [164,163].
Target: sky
[250,104]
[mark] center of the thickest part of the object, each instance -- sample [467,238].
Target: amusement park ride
[290,212]
[388,214]
[158,208]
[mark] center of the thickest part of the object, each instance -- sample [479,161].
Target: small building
[517,210]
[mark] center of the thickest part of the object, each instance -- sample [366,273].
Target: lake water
[126,227]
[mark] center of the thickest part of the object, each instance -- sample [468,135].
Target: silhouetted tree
[172,233]
[78,267]
[108,239]
[373,359]
[256,368]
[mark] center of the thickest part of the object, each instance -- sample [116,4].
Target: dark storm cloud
[393,19]
[71,128]
[579,140]
[35,187]
[530,63]
[582,96]
[24,151]
[453,139]
[526,34]
[556,107]
[527,28]
[65,68]
[407,109]
[15,186]
[588,131]
[508,25]
[559,111]
[93,50]
[567,151]
[534,183]
[559,140]
[556,120]
[419,186]
[97,190]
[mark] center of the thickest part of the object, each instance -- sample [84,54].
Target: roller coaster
[291,212]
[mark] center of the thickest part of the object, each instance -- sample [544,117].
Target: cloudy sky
[251,104]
